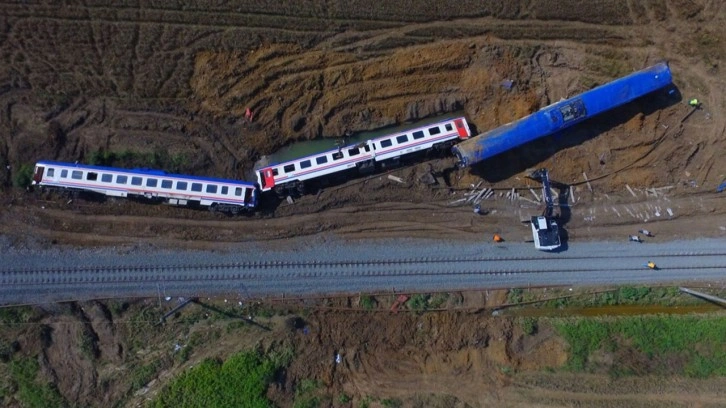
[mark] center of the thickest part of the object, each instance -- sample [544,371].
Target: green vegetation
[625,295]
[529,325]
[23,176]
[419,302]
[11,316]
[668,344]
[142,375]
[241,381]
[438,300]
[30,390]
[367,302]
[160,159]
[514,295]
[305,394]
[392,403]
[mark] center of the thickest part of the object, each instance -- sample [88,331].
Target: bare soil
[170,83]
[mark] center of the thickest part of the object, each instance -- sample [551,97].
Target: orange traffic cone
[498,238]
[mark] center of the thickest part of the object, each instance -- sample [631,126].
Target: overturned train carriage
[291,175]
[216,194]
[563,114]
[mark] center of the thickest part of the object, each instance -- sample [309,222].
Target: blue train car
[563,114]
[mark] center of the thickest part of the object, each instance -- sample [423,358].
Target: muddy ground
[167,86]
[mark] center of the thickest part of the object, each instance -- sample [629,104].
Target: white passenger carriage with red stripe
[216,194]
[291,175]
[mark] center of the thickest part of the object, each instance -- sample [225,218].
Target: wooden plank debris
[534,194]
[528,200]
[631,191]
[589,186]
[394,178]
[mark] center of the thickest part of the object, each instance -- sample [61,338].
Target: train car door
[268,179]
[38,175]
[463,132]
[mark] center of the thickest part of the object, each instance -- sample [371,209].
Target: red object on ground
[399,301]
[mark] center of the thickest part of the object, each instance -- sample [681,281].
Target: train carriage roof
[144,172]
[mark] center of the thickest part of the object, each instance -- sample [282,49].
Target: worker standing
[695,103]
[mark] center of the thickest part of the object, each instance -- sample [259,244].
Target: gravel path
[327,265]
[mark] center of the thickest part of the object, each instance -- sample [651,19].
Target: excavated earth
[167,85]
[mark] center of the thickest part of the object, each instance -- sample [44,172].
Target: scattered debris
[646,233]
[670,212]
[631,191]
[535,194]
[428,179]
[290,200]
[396,179]
[589,186]
[400,301]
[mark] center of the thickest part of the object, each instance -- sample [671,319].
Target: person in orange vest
[498,238]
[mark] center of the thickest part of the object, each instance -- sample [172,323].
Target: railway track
[260,270]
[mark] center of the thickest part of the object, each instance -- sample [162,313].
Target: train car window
[166,183]
[321,159]
[121,179]
[151,182]
[368,148]
[106,178]
[51,172]
[434,130]
[386,143]
[402,139]
[211,189]
[448,127]
[238,191]
[305,164]
[136,181]
[77,174]
[181,185]
[225,190]
[197,187]
[289,168]
[275,172]
[353,152]
[92,176]
[337,155]
[418,135]
[64,173]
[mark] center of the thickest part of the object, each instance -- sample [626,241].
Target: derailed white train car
[216,194]
[290,176]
